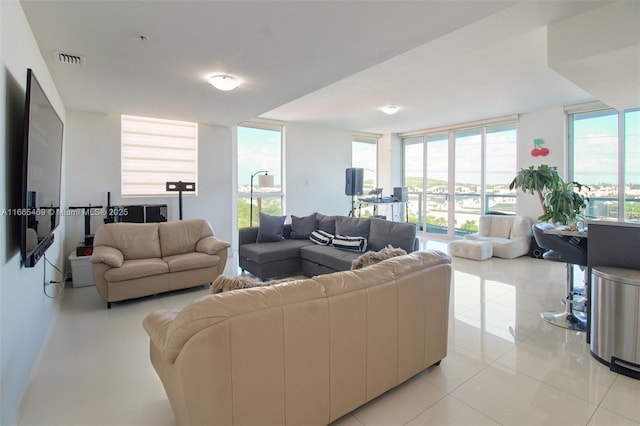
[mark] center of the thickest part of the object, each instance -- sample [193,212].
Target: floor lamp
[265,180]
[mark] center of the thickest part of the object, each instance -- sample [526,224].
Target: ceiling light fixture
[223,82]
[390,109]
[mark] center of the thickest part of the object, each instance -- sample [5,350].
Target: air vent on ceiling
[69,58]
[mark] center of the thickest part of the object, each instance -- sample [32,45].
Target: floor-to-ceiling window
[259,154]
[455,175]
[632,165]
[605,156]
[437,183]
[500,168]
[364,155]
[413,154]
[467,179]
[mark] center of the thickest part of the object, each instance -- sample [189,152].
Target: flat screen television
[41,173]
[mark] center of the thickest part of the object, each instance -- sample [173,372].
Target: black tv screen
[42,169]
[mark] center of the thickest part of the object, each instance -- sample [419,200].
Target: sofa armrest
[247,235]
[157,325]
[211,245]
[169,330]
[108,255]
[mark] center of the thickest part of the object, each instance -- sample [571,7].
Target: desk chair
[563,249]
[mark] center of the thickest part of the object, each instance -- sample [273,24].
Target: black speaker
[353,181]
[134,214]
[401,194]
[155,213]
[535,250]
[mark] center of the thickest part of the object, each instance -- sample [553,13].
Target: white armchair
[510,236]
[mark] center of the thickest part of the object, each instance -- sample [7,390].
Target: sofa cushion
[397,234]
[340,260]
[302,227]
[353,226]
[501,227]
[270,228]
[134,240]
[182,236]
[190,261]
[521,227]
[343,242]
[326,223]
[137,268]
[272,252]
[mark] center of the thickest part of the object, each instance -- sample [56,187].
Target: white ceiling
[331,63]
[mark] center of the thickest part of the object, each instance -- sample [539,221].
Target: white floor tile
[624,398]
[450,411]
[398,406]
[603,417]
[504,365]
[512,398]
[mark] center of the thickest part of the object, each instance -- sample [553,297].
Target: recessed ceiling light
[390,109]
[223,82]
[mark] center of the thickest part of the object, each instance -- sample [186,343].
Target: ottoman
[471,249]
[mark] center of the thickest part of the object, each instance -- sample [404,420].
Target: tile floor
[505,365]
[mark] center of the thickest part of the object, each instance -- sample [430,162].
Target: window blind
[155,151]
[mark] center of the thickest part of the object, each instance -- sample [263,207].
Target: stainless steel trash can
[615,319]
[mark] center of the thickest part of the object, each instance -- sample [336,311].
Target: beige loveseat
[510,236]
[139,259]
[303,352]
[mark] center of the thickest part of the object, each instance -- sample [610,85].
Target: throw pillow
[397,234]
[302,227]
[373,257]
[326,223]
[344,242]
[353,226]
[321,237]
[270,228]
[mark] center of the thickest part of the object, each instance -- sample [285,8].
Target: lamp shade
[265,181]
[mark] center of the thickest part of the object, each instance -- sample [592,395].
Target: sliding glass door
[456,175]
[437,185]
[468,180]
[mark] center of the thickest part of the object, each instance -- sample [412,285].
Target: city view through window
[259,150]
[598,151]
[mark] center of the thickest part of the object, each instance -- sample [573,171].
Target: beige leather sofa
[510,236]
[303,352]
[139,259]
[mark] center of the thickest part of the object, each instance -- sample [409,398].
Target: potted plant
[565,203]
[561,202]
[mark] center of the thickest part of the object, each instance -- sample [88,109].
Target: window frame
[258,195]
[594,107]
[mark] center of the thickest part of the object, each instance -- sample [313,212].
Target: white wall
[25,312]
[315,162]
[550,126]
[93,169]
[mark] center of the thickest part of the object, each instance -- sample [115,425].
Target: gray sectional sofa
[293,252]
